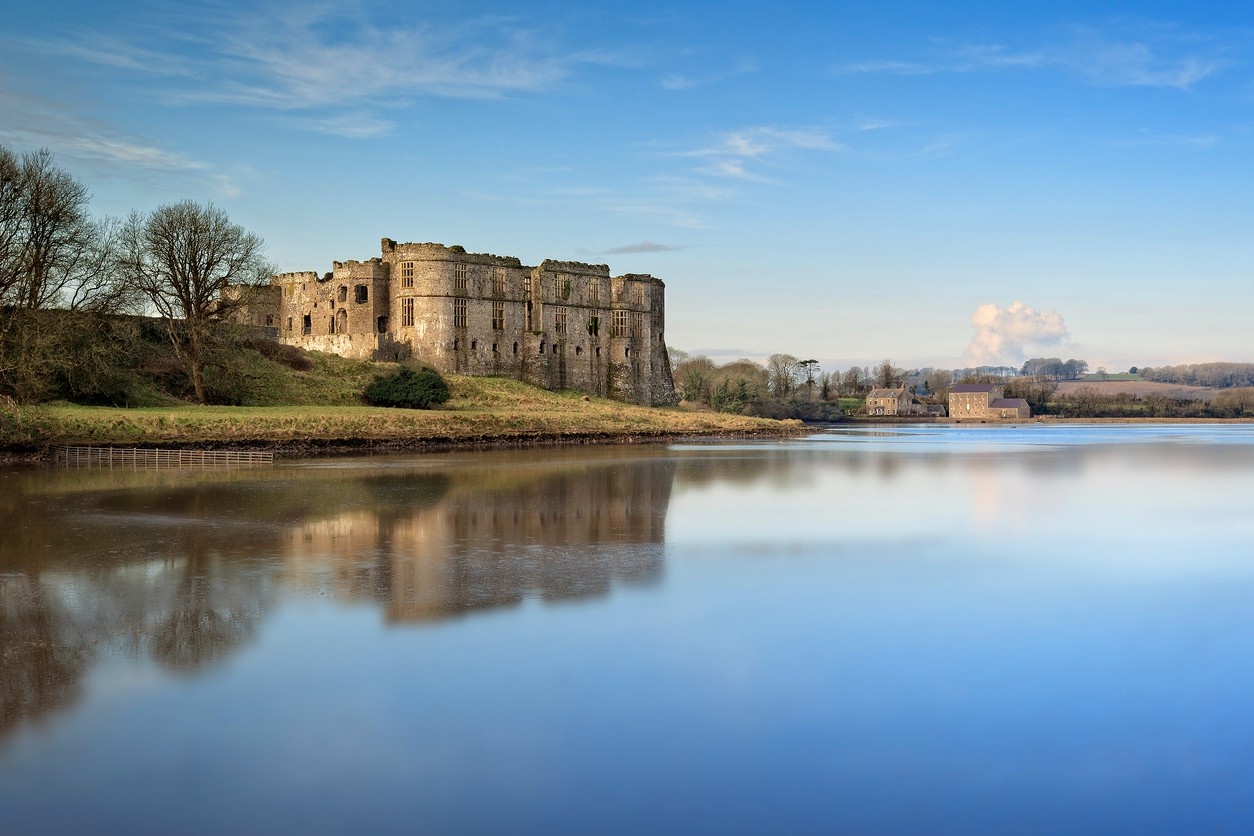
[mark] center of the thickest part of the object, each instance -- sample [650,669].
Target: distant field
[1096,378]
[1138,387]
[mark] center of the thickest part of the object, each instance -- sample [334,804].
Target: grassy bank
[482,410]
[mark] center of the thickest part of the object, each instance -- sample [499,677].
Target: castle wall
[561,325]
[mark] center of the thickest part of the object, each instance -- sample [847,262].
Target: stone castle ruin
[562,325]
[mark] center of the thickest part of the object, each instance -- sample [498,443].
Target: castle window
[474,345]
[361,293]
[307,326]
[459,313]
[594,325]
[498,316]
[494,351]
[559,320]
[541,346]
[289,324]
[269,321]
[383,325]
[407,274]
[341,321]
[498,281]
[594,292]
[331,325]
[407,313]
[461,281]
[578,350]
[343,293]
[637,324]
[515,349]
[618,324]
[637,295]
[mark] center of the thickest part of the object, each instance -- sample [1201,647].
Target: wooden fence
[140,458]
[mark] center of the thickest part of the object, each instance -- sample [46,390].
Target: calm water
[929,629]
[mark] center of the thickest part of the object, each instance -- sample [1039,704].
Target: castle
[562,325]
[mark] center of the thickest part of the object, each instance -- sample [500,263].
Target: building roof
[886,393]
[963,388]
[1008,403]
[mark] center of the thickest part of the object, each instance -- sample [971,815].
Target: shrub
[405,387]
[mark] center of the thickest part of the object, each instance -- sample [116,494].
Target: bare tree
[782,369]
[52,254]
[887,375]
[182,257]
[853,381]
[937,383]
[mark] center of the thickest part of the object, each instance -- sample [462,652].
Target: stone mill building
[561,325]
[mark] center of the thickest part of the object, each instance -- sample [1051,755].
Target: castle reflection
[179,569]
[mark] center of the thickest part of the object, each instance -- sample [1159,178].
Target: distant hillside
[1140,388]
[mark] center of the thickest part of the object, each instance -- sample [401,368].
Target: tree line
[66,277]
[1214,375]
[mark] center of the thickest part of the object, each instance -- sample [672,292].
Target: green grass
[481,409]
[1098,378]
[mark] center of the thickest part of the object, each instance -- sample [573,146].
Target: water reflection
[1000,627]
[181,568]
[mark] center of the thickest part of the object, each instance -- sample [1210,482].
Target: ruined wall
[561,325]
[342,312]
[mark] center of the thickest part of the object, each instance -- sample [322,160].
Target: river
[905,629]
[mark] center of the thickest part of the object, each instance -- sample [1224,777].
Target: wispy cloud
[741,154]
[96,145]
[684,81]
[1150,56]
[332,56]
[1195,141]
[642,247]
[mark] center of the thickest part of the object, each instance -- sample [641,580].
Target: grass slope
[481,410]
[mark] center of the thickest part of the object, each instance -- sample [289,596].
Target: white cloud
[85,143]
[1145,56]
[734,152]
[312,56]
[1003,334]
[681,81]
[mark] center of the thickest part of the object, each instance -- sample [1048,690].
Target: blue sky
[844,181]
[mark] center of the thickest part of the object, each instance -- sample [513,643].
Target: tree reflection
[42,657]
[181,569]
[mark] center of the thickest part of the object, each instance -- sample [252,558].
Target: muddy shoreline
[303,448]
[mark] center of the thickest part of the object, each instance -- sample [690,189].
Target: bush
[419,389]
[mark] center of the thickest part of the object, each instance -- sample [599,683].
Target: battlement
[299,277]
[429,251]
[576,267]
[641,277]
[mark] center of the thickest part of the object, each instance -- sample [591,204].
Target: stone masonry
[561,325]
